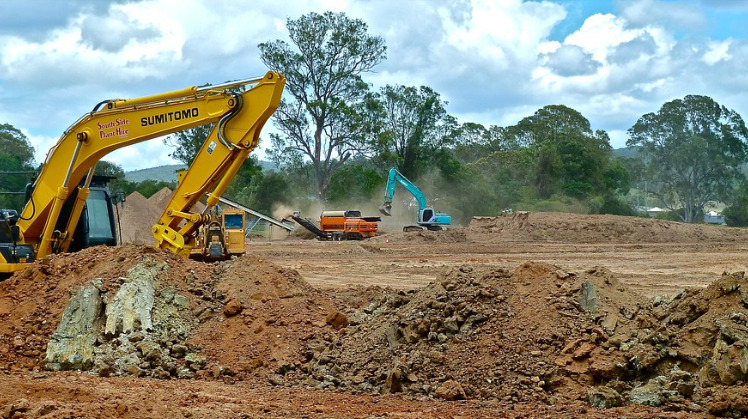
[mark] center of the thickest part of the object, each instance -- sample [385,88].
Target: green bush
[615,206]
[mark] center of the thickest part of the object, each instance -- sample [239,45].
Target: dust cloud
[282,211]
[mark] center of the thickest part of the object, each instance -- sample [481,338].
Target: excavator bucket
[386,209]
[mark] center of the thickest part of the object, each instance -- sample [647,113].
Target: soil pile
[577,228]
[138,214]
[475,333]
[540,334]
[144,312]
[161,198]
[685,352]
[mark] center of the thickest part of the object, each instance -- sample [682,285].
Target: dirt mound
[161,198]
[230,319]
[692,348]
[475,333]
[577,228]
[138,214]
[541,334]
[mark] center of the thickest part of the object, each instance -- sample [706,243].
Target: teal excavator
[427,217]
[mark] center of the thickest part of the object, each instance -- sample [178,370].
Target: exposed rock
[72,344]
[588,297]
[649,394]
[232,308]
[194,361]
[393,383]
[178,351]
[604,397]
[133,336]
[337,320]
[450,390]
[131,308]
[276,380]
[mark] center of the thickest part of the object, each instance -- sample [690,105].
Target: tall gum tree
[413,127]
[323,119]
[693,148]
[568,155]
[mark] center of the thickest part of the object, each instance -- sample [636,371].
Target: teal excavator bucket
[386,209]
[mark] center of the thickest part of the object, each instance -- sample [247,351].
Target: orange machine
[348,225]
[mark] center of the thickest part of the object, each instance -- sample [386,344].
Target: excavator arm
[393,179]
[44,228]
[220,158]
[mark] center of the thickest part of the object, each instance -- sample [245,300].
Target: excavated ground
[529,315]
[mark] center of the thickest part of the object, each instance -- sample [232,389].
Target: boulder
[604,397]
[232,308]
[337,320]
[450,390]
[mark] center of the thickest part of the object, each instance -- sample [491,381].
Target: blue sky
[577,12]
[494,61]
[722,19]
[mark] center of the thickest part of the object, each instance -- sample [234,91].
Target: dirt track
[341,275]
[651,269]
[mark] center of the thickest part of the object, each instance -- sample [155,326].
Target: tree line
[336,137]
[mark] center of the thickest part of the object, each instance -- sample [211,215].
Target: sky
[493,61]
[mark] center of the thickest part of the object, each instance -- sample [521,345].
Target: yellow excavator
[222,237]
[47,223]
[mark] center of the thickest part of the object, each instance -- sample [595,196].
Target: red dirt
[512,338]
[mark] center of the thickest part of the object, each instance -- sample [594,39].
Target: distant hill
[163,173]
[268,166]
[169,173]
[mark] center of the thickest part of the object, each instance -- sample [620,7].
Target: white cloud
[493,60]
[114,32]
[65,58]
[717,51]
[501,32]
[41,145]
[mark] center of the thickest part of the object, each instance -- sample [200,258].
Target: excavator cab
[10,249]
[96,226]
[426,215]
[9,231]
[97,223]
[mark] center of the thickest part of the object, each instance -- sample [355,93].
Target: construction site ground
[528,315]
